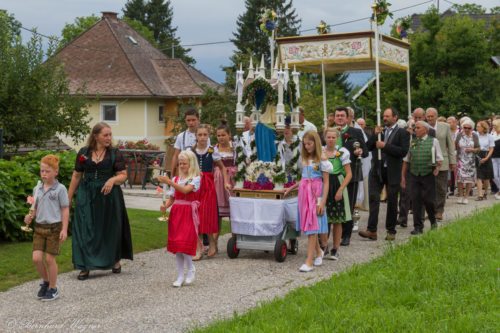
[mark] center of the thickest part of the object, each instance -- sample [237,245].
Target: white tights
[183,260]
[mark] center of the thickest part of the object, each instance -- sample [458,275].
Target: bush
[18,177]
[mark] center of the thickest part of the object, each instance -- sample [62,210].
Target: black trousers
[423,192]
[352,190]
[375,186]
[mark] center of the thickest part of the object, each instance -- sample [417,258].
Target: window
[161,114]
[109,112]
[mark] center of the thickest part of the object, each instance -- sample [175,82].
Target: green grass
[16,266]
[443,281]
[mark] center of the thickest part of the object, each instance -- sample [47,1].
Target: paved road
[142,299]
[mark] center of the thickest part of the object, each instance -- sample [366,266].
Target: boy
[51,210]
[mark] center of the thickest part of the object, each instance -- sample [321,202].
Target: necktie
[388,131]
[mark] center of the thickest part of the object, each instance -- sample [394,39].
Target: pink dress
[183,220]
[228,159]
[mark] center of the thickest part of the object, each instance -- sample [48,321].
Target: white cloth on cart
[261,217]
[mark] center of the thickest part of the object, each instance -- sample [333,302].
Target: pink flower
[30,200]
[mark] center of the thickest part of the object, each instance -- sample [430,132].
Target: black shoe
[117,270]
[403,225]
[345,241]
[434,226]
[84,275]
[50,295]
[44,286]
[333,255]
[416,232]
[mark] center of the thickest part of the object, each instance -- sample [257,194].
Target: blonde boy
[51,216]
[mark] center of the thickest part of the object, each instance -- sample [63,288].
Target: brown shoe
[439,216]
[368,234]
[390,237]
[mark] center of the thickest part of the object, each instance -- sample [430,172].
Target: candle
[433,152]
[164,192]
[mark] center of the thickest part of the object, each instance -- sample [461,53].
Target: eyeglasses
[467,128]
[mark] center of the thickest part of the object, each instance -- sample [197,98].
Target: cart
[265,221]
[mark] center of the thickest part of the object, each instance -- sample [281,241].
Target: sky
[202,21]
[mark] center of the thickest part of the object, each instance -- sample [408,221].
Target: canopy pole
[408,87]
[325,119]
[377,80]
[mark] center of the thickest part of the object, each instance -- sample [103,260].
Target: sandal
[479,198]
[198,256]
[84,275]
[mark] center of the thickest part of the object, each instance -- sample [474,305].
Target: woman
[101,231]
[495,157]
[484,164]
[467,144]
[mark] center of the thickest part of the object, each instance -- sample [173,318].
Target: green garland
[257,84]
[292,94]
[382,9]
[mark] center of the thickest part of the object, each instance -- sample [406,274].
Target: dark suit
[386,172]
[351,136]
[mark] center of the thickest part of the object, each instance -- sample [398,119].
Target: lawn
[444,281]
[15,258]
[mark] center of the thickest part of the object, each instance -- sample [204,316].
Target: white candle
[164,192]
[433,152]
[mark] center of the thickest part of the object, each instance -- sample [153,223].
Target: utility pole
[438,6]
[173,48]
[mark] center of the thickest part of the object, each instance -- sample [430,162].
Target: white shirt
[186,140]
[437,148]
[486,141]
[308,126]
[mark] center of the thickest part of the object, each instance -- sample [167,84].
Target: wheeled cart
[265,221]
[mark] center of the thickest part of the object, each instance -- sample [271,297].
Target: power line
[221,42]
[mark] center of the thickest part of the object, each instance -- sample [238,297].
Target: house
[131,85]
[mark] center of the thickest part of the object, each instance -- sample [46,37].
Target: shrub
[18,177]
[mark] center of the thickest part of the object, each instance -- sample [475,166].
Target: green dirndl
[101,230]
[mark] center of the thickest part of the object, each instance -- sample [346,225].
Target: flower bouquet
[268,21]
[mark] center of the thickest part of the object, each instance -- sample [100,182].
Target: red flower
[82,159]
[346,136]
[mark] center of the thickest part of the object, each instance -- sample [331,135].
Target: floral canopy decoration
[323,28]
[403,25]
[381,8]
[268,21]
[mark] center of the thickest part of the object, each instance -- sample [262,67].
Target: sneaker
[190,277]
[44,286]
[305,269]
[497,196]
[333,255]
[318,261]
[50,295]
[466,201]
[356,226]
[460,200]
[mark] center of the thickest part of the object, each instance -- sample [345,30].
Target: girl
[209,220]
[228,158]
[337,204]
[183,221]
[313,190]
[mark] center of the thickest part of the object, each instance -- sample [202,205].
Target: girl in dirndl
[337,204]
[313,191]
[227,154]
[183,221]
[207,157]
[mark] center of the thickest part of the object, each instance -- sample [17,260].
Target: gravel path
[141,297]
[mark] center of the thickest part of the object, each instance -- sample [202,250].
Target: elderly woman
[495,157]
[484,164]
[467,144]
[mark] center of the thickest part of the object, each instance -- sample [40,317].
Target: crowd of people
[416,164]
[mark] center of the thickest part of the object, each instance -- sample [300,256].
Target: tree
[157,16]
[73,30]
[35,101]
[82,24]
[450,68]
[468,8]
[249,40]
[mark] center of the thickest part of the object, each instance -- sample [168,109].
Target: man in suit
[348,137]
[443,135]
[394,145]
[423,161]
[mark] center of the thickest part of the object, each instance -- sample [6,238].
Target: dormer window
[132,40]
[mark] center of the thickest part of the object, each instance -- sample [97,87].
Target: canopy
[340,52]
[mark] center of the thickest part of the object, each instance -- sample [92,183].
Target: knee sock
[179,260]
[188,262]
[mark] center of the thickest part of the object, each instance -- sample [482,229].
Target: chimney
[110,15]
